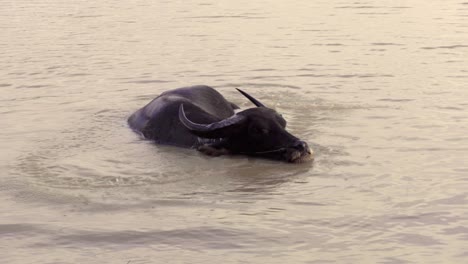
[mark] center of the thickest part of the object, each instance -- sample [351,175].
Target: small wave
[396,100]
[147,81]
[385,44]
[346,75]
[32,86]
[262,85]
[195,237]
[357,7]
[226,17]
[416,239]
[446,47]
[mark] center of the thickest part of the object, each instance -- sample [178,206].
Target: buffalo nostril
[301,145]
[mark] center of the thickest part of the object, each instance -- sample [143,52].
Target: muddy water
[379,89]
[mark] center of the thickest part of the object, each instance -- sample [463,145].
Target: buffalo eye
[260,130]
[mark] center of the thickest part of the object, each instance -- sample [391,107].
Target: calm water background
[378,88]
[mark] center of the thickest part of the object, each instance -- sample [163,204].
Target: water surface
[377,88]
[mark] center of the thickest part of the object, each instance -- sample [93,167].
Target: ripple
[346,76]
[78,74]
[454,200]
[358,7]
[396,100]
[195,238]
[416,239]
[458,230]
[147,81]
[32,86]
[220,17]
[260,85]
[462,139]
[458,76]
[433,149]
[386,44]
[264,70]
[15,229]
[446,47]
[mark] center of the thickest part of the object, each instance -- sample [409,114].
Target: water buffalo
[200,117]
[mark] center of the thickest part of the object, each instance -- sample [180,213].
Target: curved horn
[214,130]
[253,100]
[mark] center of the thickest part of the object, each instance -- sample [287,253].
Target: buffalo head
[258,131]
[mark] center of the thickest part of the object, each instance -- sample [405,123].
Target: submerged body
[199,117]
[159,120]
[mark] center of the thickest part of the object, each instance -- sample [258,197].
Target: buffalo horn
[253,100]
[213,130]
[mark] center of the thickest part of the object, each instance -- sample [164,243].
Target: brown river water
[379,90]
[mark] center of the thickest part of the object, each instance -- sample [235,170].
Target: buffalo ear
[220,129]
